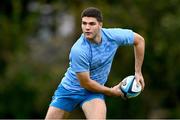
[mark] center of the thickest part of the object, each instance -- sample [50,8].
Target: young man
[90,63]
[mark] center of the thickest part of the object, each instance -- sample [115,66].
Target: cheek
[96,29]
[82,27]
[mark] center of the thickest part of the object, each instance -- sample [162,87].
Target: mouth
[88,33]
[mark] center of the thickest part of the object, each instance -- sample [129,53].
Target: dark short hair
[92,12]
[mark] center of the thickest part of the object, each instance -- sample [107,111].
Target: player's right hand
[115,91]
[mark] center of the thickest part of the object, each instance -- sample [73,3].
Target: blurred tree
[36,36]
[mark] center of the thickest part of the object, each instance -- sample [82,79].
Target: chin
[89,38]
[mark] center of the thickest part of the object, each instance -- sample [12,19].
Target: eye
[84,23]
[92,23]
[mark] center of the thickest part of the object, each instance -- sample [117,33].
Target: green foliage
[31,67]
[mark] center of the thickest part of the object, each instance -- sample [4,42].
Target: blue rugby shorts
[68,100]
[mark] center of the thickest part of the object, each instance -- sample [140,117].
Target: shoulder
[120,35]
[111,31]
[80,47]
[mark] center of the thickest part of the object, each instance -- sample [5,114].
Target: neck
[97,39]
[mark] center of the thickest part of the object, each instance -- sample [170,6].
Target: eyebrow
[88,22]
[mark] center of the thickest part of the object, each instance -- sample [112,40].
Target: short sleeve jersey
[86,56]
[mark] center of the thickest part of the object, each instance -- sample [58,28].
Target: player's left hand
[140,79]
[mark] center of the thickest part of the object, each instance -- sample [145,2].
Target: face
[91,28]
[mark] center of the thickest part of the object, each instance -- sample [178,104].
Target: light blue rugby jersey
[86,56]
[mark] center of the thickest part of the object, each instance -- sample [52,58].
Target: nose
[87,27]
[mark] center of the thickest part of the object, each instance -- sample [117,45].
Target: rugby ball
[130,87]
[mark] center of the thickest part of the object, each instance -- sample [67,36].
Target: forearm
[139,49]
[94,86]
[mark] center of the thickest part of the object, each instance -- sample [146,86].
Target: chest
[102,54]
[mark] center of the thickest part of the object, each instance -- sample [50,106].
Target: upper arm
[79,60]
[138,39]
